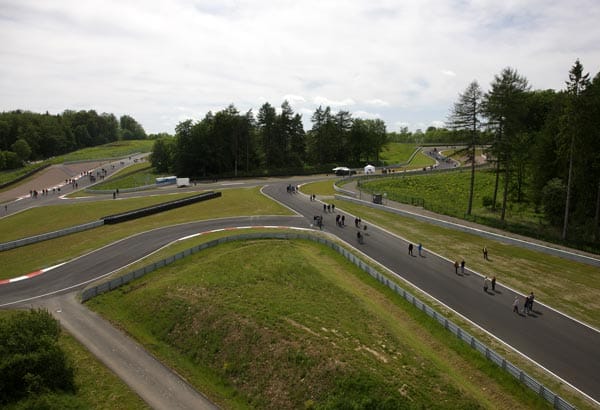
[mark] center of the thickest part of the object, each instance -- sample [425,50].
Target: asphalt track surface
[565,347]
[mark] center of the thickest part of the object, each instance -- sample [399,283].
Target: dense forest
[27,136]
[543,144]
[230,143]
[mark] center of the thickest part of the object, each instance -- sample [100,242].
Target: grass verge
[39,220]
[569,286]
[233,202]
[291,324]
[131,177]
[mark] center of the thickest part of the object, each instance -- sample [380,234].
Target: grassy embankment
[291,324]
[97,388]
[399,153]
[134,176]
[15,262]
[565,285]
[112,150]
[447,193]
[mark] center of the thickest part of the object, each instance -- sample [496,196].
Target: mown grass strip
[396,152]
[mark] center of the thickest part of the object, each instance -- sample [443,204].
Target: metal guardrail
[50,235]
[111,219]
[121,190]
[485,234]
[557,401]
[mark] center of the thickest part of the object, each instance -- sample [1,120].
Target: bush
[488,202]
[31,362]
[554,195]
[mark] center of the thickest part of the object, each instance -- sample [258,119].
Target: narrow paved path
[156,384]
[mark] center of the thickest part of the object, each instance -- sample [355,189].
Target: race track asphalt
[563,346]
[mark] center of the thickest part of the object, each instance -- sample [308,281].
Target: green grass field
[111,150]
[396,153]
[291,324]
[448,193]
[98,388]
[19,261]
[320,188]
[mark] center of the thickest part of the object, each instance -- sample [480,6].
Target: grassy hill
[291,324]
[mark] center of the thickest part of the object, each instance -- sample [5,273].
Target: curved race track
[563,346]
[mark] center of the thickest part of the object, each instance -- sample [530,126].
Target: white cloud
[333,103]
[127,57]
[449,73]
[377,102]
[294,99]
[365,115]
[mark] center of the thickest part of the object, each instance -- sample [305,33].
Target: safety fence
[557,401]
[111,219]
[121,190]
[480,232]
[50,235]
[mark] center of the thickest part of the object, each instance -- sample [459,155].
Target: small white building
[369,169]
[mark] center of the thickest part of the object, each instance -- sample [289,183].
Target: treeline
[230,143]
[27,136]
[435,136]
[544,146]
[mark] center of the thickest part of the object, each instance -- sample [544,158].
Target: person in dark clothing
[410,249]
[493,283]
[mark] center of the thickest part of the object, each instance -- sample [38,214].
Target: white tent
[369,169]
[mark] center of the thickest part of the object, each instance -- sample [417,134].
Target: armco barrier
[138,213]
[121,190]
[50,235]
[109,220]
[480,232]
[557,401]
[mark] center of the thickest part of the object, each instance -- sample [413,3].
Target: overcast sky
[166,61]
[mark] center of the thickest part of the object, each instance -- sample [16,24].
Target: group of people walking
[527,304]
[489,284]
